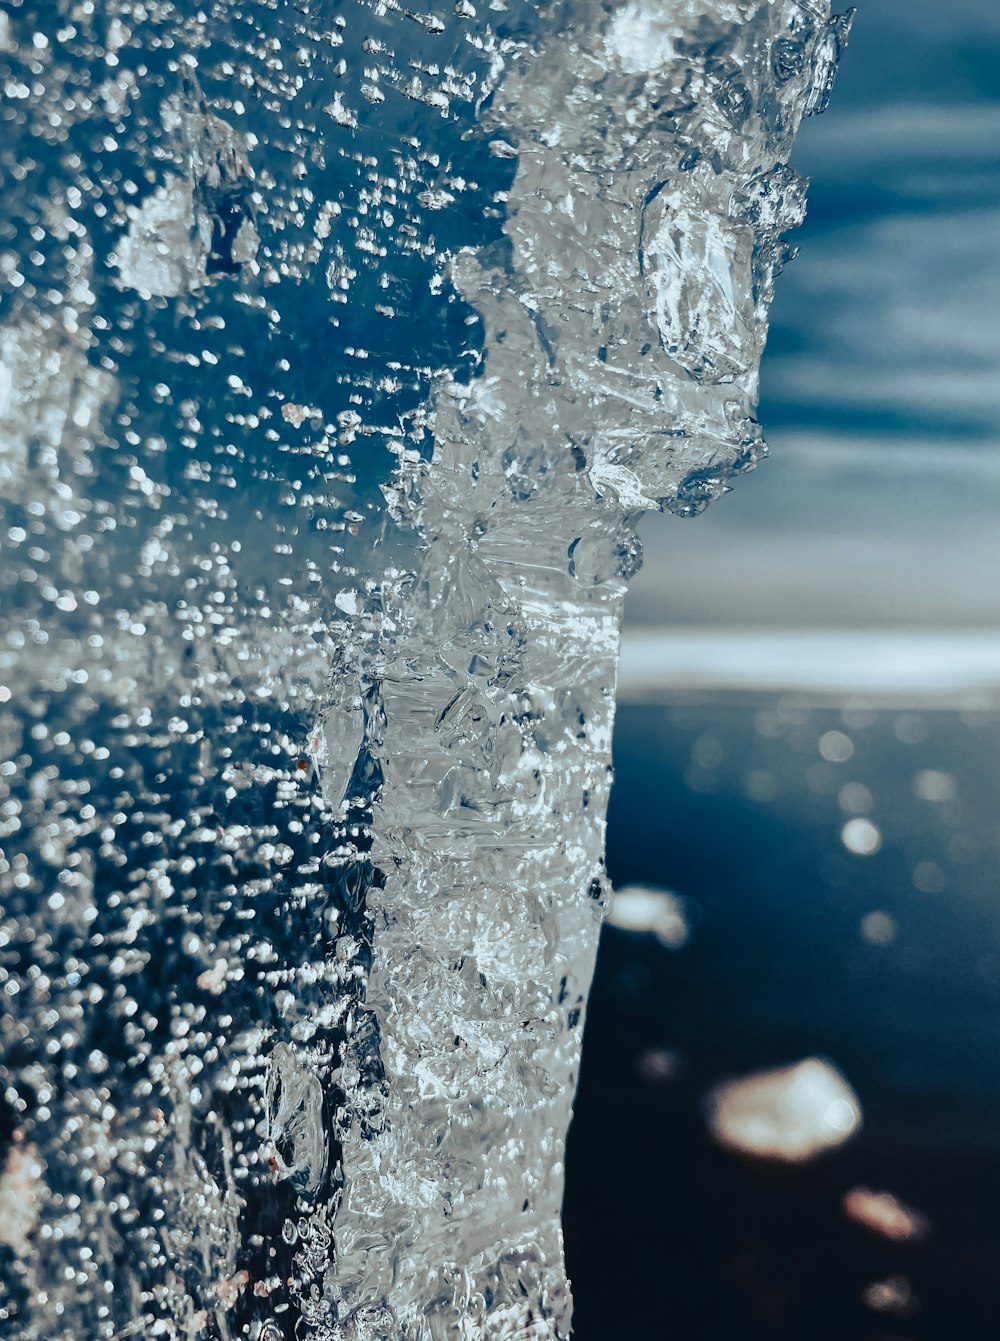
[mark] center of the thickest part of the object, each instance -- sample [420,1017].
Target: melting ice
[342,347]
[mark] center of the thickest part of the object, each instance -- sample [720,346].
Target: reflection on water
[837,867]
[835,860]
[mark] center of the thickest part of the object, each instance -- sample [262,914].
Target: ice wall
[341,348]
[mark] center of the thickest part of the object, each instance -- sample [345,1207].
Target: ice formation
[341,348]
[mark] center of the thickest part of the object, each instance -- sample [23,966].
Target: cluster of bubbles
[340,349]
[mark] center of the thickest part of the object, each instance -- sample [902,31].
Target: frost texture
[341,348]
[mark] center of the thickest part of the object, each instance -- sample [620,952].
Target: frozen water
[884,1214]
[790,1114]
[894,1295]
[342,348]
[636,908]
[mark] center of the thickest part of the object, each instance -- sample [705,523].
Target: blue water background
[878,512]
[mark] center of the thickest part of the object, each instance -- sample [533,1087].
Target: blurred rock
[791,1114]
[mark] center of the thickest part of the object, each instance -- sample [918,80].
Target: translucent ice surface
[341,347]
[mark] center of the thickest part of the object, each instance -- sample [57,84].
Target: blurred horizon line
[897,667]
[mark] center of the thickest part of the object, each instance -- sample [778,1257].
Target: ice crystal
[341,347]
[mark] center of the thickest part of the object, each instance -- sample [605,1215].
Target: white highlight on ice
[639,39]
